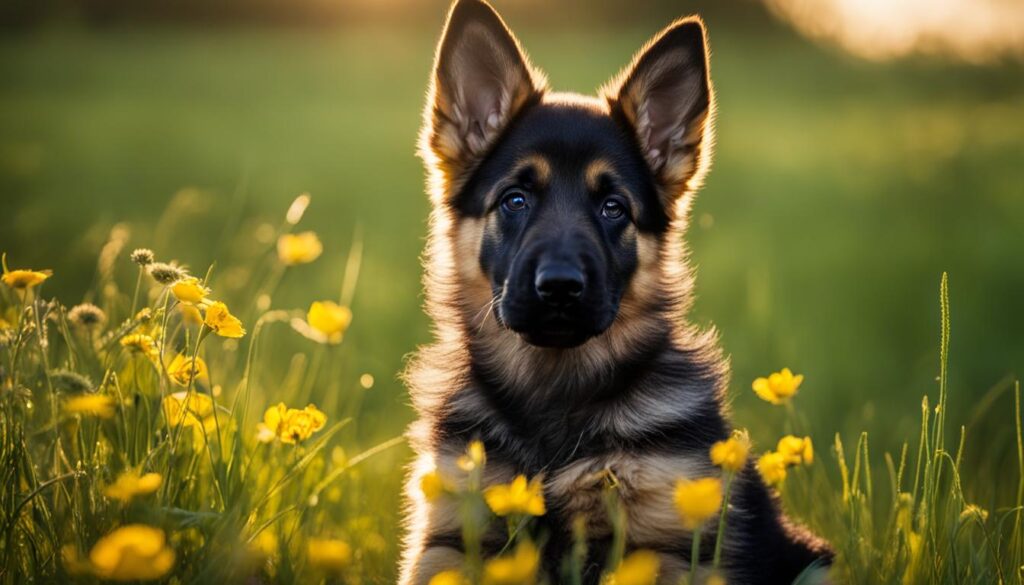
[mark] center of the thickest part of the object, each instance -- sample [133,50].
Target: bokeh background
[863,149]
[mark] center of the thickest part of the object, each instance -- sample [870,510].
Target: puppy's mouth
[555,337]
[555,329]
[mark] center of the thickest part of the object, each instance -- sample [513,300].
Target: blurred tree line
[28,14]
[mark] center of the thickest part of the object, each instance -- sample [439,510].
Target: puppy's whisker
[481,315]
[490,308]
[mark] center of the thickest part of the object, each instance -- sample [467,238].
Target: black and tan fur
[618,381]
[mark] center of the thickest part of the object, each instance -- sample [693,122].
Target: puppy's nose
[559,284]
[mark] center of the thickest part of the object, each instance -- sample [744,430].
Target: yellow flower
[518,497]
[23,278]
[301,424]
[222,321]
[778,387]
[183,370]
[190,409]
[300,248]
[796,450]
[329,554]
[130,484]
[772,467]
[639,568]
[140,343]
[475,457]
[697,500]
[449,577]
[189,290]
[134,552]
[432,485]
[329,319]
[518,568]
[715,578]
[731,454]
[97,405]
[290,425]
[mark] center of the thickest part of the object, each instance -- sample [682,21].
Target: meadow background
[841,189]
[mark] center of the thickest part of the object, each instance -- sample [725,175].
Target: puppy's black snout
[559,284]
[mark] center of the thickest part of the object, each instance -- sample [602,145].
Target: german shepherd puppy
[557,281]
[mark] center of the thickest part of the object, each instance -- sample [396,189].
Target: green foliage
[839,190]
[916,523]
[233,505]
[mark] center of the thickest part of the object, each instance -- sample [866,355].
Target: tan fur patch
[595,171]
[645,485]
[540,165]
[475,289]
[647,279]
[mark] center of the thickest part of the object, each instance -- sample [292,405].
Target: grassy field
[841,191]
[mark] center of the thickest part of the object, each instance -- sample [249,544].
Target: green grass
[840,192]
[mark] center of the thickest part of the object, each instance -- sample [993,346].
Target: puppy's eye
[613,209]
[514,201]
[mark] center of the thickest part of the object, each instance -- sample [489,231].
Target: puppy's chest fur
[643,485]
[641,437]
[582,450]
[581,488]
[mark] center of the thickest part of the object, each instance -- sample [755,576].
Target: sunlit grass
[141,439]
[129,446]
[915,523]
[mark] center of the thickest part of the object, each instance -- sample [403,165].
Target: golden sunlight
[972,30]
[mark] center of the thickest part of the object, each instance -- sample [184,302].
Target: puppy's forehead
[570,137]
[575,141]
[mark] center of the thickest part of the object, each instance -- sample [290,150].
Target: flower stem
[695,557]
[473,511]
[794,422]
[721,520]
[135,295]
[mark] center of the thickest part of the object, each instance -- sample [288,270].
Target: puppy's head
[551,194]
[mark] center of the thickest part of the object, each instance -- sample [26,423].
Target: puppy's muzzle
[559,284]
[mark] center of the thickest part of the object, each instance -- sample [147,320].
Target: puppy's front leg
[434,539]
[420,564]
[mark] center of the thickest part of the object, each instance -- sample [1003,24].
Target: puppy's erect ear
[666,96]
[481,79]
